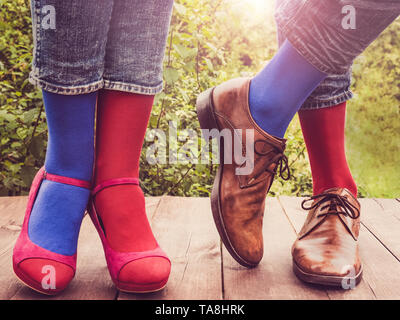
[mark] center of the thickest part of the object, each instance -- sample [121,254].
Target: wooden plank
[381,278]
[12,211]
[389,206]
[273,278]
[377,215]
[184,229]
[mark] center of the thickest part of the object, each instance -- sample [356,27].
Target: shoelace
[337,205]
[281,161]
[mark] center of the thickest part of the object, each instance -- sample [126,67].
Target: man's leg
[322,118]
[238,201]
[324,134]
[325,251]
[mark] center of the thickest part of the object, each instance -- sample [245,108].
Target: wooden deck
[202,268]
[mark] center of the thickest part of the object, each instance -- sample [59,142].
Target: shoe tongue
[338,191]
[342,192]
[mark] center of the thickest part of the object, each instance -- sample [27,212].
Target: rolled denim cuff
[94,86]
[333,90]
[314,103]
[63,89]
[133,88]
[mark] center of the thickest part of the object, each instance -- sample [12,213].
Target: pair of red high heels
[25,249]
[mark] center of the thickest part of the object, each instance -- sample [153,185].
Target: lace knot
[280,159]
[337,204]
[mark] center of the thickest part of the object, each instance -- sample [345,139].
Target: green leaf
[171,75]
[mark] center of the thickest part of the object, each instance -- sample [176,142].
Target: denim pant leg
[69,44]
[319,31]
[334,89]
[136,44]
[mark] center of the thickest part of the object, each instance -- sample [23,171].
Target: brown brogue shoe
[326,250]
[238,200]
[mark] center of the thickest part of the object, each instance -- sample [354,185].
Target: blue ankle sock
[279,90]
[58,210]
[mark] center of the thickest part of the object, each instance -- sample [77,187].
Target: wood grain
[184,229]
[202,269]
[273,278]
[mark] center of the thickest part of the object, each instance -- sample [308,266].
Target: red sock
[323,131]
[122,120]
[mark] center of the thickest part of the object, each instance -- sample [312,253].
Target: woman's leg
[68,63]
[59,208]
[133,75]
[121,125]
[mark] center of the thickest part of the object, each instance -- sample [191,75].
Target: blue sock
[279,90]
[58,210]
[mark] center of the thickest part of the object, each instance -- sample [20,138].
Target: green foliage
[22,126]
[209,42]
[373,126]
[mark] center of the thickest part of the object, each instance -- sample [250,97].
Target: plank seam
[387,248]
[222,271]
[156,209]
[372,290]
[379,204]
[286,215]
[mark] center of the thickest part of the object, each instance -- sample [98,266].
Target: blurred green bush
[209,42]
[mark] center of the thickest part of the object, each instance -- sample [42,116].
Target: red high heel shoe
[116,261]
[24,249]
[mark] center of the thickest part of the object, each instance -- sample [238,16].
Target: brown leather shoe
[326,250]
[238,201]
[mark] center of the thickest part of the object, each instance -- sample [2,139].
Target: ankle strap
[114,182]
[67,180]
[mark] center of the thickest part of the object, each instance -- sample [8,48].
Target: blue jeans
[293,17]
[320,32]
[83,46]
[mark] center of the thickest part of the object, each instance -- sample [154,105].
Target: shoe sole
[332,281]
[206,116]
[142,291]
[20,277]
